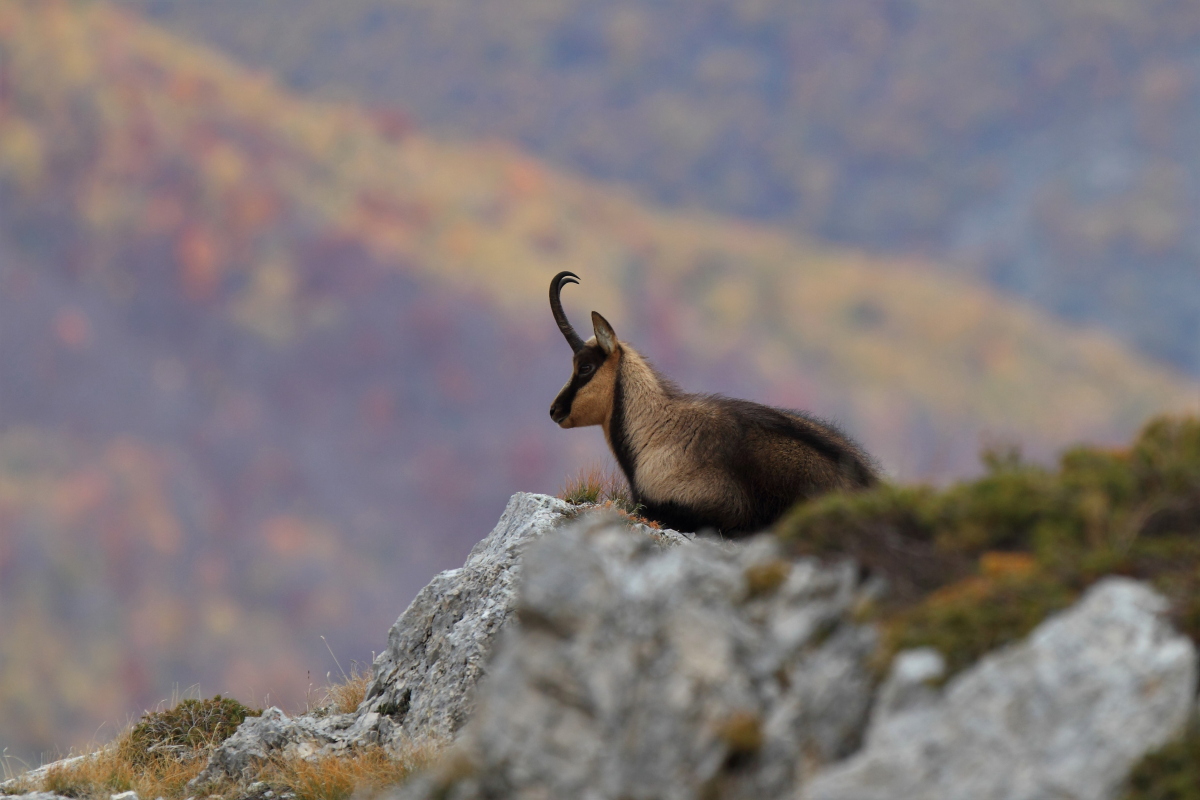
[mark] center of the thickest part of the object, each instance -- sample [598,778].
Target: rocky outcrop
[1064,714]
[423,683]
[438,649]
[439,646]
[703,671]
[726,671]
[581,658]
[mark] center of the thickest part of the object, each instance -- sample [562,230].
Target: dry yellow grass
[360,773]
[345,697]
[160,755]
[115,769]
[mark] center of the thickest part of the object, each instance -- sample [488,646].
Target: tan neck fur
[647,399]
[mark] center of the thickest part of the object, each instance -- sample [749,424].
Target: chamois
[696,461]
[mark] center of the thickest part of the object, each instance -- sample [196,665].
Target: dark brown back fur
[764,460]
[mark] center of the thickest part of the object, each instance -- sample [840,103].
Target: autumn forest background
[274,341]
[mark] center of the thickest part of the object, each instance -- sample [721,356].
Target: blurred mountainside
[270,363]
[1049,146]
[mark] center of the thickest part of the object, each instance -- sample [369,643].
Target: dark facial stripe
[620,437]
[566,398]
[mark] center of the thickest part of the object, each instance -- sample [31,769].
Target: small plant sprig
[605,488]
[594,485]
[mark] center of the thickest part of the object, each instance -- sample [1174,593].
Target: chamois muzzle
[556,308]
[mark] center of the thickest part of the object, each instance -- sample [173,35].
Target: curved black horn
[556,306]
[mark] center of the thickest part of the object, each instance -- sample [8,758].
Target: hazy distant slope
[226,430]
[1048,146]
[256,174]
[269,363]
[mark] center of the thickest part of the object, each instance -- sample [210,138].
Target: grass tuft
[337,777]
[111,770]
[596,485]
[188,727]
[346,697]
[11,781]
[606,489]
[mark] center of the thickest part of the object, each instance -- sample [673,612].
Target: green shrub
[981,563]
[1134,512]
[891,531]
[975,616]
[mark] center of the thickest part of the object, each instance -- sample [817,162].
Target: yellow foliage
[21,152]
[1001,564]
[348,695]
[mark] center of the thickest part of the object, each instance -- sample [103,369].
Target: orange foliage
[1002,565]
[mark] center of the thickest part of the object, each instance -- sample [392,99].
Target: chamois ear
[604,333]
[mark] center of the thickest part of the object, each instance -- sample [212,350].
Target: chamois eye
[586,369]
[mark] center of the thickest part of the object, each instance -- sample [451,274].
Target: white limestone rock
[439,648]
[1064,714]
[712,670]
[424,681]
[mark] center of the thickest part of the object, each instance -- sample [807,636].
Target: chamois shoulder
[809,430]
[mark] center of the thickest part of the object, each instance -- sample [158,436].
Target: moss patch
[979,564]
[190,725]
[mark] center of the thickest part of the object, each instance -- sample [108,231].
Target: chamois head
[587,398]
